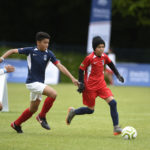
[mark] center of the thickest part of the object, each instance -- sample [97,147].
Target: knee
[113,103]
[1,106]
[90,111]
[33,109]
[54,95]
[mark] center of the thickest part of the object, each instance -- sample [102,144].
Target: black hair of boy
[42,35]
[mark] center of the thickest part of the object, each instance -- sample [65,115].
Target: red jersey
[94,71]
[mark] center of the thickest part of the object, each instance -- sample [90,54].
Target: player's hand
[120,78]
[1,60]
[75,82]
[9,68]
[81,87]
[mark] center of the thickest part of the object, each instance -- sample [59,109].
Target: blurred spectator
[7,69]
[108,72]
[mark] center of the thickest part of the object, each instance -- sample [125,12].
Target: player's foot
[43,122]
[117,130]
[70,115]
[17,128]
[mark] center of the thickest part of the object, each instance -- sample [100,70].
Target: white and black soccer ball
[129,133]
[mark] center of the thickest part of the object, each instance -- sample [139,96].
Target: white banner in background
[52,74]
[21,71]
[100,23]
[103,30]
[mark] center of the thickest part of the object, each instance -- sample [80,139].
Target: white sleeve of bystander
[2,71]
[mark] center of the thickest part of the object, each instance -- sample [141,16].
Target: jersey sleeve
[25,50]
[1,71]
[107,59]
[53,58]
[85,63]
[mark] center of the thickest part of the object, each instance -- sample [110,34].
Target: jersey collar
[97,56]
[37,50]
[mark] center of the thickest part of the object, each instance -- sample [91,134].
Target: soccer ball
[129,133]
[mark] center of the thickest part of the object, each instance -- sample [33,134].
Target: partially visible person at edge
[6,69]
[38,57]
[108,72]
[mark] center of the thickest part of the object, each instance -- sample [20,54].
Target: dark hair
[96,41]
[42,35]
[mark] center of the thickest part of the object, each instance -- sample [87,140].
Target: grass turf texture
[86,132]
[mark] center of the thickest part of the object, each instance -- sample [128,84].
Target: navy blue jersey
[37,62]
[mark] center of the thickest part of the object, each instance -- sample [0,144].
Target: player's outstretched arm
[65,71]
[114,69]
[81,81]
[8,53]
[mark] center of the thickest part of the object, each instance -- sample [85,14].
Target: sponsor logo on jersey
[34,54]
[45,57]
[103,62]
[82,65]
[95,63]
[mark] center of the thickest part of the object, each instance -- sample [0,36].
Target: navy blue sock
[83,110]
[113,111]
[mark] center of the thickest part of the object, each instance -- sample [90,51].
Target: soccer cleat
[117,130]
[17,128]
[70,115]
[43,122]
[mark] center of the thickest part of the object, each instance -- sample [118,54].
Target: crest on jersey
[82,65]
[45,57]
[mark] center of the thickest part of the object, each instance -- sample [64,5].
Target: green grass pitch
[88,132]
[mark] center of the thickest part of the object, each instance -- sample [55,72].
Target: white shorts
[36,89]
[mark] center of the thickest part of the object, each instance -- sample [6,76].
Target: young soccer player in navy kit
[38,57]
[92,84]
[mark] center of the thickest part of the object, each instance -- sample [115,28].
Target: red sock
[48,103]
[24,116]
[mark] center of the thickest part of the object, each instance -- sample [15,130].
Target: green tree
[139,9]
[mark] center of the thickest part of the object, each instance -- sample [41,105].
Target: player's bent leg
[80,111]
[114,115]
[117,130]
[88,100]
[17,128]
[43,122]
[34,105]
[84,110]
[16,125]
[50,92]
[70,115]
[48,103]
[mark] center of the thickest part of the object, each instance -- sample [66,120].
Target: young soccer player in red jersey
[92,84]
[38,57]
